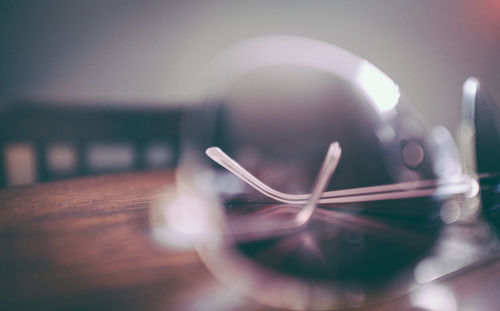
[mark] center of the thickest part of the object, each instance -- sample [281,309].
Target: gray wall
[151,51]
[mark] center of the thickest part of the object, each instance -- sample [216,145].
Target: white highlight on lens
[379,87]
[184,216]
[470,86]
[213,298]
[426,271]
[184,219]
[469,93]
[450,212]
[434,298]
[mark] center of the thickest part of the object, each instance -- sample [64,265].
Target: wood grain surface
[86,243]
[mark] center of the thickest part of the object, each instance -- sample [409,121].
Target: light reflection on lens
[434,298]
[382,90]
[450,212]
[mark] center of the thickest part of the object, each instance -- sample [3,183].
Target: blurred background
[111,69]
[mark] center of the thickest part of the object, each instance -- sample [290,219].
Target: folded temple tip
[211,151]
[334,149]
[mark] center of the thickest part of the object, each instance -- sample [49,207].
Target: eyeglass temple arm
[251,229]
[325,173]
[460,185]
[218,156]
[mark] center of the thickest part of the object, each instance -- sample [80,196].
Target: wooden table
[86,244]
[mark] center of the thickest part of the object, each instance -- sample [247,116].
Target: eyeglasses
[374,214]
